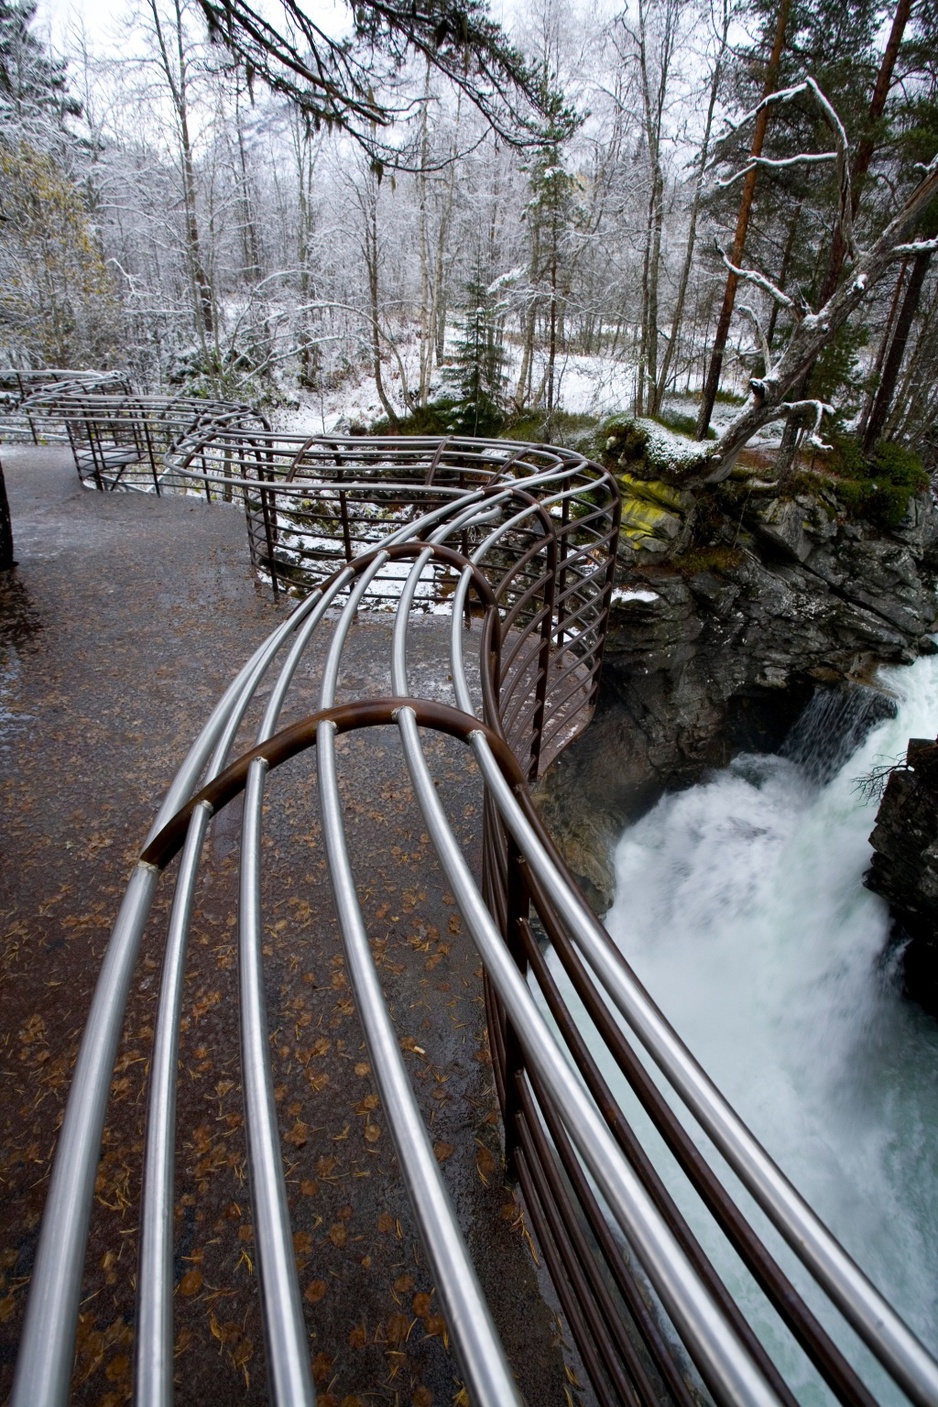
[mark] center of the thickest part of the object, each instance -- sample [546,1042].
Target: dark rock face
[904,869]
[718,651]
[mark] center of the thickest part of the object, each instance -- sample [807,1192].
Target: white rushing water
[740,905]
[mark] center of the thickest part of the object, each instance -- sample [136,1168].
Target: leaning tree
[774,395]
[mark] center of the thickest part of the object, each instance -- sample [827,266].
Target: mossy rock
[642,520]
[656,491]
[649,451]
[878,487]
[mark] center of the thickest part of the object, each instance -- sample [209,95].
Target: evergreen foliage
[57,300]
[876,487]
[33,85]
[477,374]
[336,82]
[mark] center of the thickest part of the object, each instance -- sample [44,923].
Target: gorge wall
[734,603]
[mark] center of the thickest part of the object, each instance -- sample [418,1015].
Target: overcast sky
[101,18]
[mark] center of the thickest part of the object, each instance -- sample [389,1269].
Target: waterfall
[740,905]
[833,726]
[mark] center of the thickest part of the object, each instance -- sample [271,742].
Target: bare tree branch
[750,313]
[760,280]
[814,332]
[770,163]
[919,246]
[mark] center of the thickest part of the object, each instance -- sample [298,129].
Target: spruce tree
[477,375]
[34,96]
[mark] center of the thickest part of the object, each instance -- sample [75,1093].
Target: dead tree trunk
[859,169]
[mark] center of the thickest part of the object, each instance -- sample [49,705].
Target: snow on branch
[787,408]
[918,246]
[832,118]
[784,95]
[760,280]
[840,154]
[771,163]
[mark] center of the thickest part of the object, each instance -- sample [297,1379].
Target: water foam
[740,905]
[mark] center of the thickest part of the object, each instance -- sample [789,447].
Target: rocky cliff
[904,868]
[734,604]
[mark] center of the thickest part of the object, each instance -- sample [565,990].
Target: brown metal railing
[120,440]
[18,422]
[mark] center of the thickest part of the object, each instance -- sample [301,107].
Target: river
[740,905]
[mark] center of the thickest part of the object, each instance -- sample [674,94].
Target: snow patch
[633,593]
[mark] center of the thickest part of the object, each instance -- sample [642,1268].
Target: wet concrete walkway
[124,621]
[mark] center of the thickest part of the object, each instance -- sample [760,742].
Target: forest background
[525,259]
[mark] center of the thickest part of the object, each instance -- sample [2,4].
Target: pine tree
[34,95]
[57,302]
[477,376]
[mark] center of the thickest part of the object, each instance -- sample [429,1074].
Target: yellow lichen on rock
[653,490]
[647,526]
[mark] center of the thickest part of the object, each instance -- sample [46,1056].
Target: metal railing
[518,542]
[17,423]
[121,440]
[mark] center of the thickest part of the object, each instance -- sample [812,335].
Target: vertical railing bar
[153,1341]
[288,1358]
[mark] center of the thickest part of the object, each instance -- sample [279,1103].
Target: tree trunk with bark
[882,402]
[712,383]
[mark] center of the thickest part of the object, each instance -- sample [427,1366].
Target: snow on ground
[599,385]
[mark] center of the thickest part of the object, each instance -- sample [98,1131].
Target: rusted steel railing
[517,544]
[121,440]
[17,423]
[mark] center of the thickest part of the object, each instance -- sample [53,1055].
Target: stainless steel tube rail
[17,423]
[119,439]
[518,544]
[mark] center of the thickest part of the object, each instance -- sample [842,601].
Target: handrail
[530,533]
[17,387]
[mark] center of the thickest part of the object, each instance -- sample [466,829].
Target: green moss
[654,489]
[877,487]
[682,423]
[719,559]
[648,519]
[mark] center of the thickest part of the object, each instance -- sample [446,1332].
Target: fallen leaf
[191,1282]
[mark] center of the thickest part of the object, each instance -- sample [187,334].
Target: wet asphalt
[123,622]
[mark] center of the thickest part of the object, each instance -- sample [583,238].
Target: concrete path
[125,619]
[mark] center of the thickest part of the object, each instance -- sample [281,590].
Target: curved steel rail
[17,387]
[120,440]
[521,541]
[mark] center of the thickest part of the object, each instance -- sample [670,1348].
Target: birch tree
[651,41]
[721,19]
